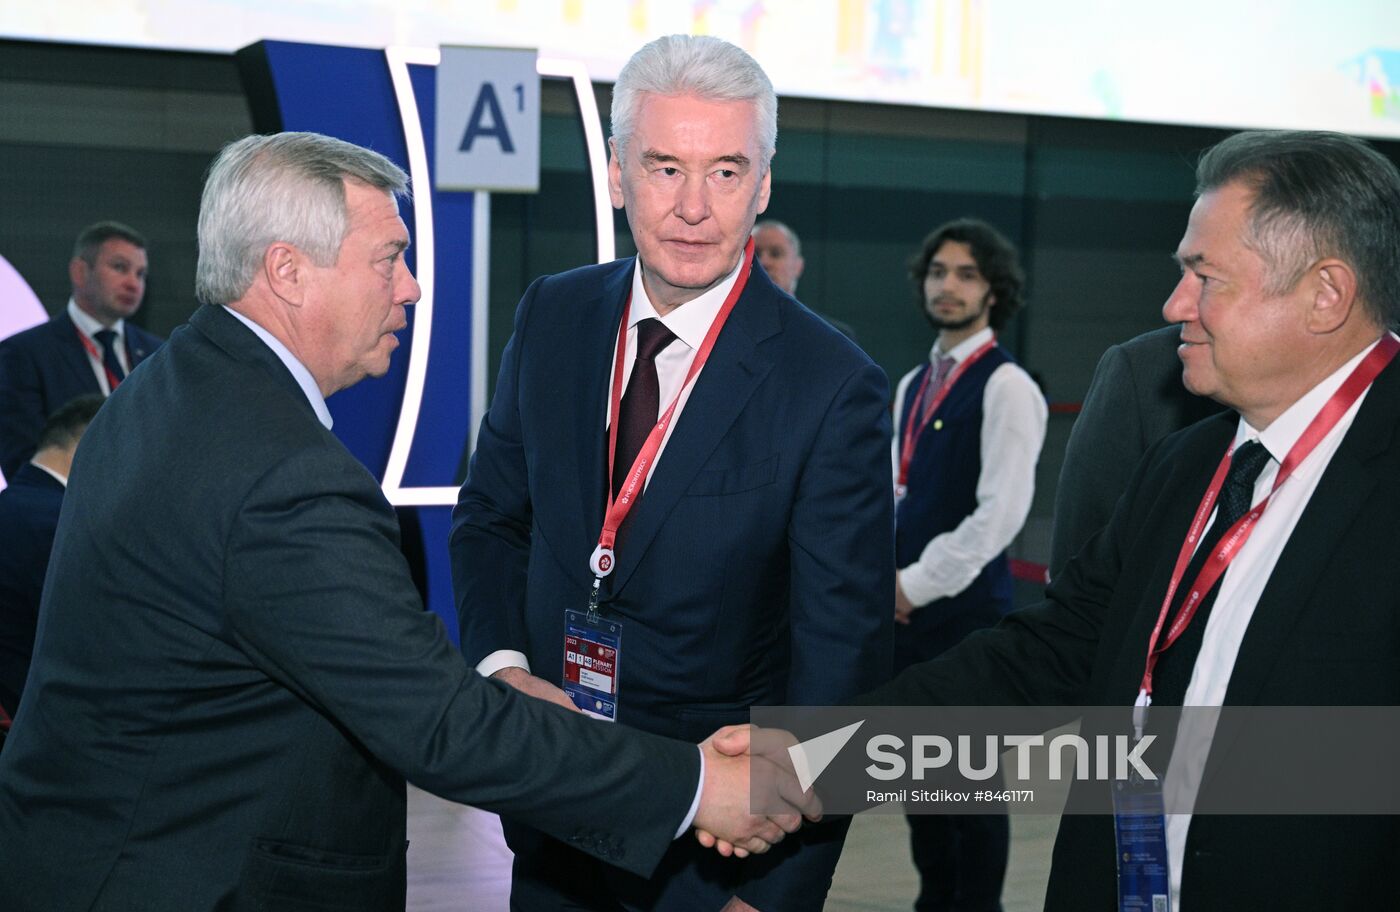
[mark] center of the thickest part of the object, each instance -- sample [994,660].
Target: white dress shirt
[90,326]
[1243,583]
[1013,429]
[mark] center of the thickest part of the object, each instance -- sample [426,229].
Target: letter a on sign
[488,120]
[487,107]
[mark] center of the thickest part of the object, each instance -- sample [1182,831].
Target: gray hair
[787,232]
[694,65]
[287,187]
[1316,195]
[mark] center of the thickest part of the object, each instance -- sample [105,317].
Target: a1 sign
[488,120]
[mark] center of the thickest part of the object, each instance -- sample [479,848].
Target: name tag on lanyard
[1140,831]
[592,652]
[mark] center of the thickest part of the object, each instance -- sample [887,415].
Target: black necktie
[641,405]
[107,338]
[1173,672]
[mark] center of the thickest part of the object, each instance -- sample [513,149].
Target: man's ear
[615,176]
[765,189]
[1331,295]
[78,271]
[286,270]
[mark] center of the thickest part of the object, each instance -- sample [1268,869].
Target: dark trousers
[961,860]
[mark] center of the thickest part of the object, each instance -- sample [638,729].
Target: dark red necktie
[641,404]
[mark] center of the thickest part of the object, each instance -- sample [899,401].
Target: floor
[458,863]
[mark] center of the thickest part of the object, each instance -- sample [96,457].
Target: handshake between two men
[724,820]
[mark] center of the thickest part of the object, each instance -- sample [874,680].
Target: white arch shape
[399,59]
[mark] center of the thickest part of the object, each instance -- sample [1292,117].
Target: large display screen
[1324,64]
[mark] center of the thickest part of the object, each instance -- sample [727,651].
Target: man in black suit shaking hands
[233,673]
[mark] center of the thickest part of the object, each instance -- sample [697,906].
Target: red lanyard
[112,379]
[603,558]
[1234,538]
[919,417]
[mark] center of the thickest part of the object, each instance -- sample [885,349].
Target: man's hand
[902,606]
[539,688]
[731,745]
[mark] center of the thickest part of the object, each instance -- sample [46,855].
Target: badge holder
[592,648]
[1140,830]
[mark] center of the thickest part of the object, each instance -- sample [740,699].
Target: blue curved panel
[348,93]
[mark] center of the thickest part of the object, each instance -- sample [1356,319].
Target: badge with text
[591,653]
[1140,828]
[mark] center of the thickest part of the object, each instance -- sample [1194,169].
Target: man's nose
[692,202]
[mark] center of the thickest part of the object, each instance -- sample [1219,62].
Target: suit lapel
[735,369]
[72,353]
[595,335]
[1341,495]
[136,347]
[1192,467]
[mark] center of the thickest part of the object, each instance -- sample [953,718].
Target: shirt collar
[56,476]
[1280,436]
[90,325]
[689,322]
[964,348]
[299,372]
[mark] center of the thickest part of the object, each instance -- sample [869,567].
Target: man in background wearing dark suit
[87,349]
[233,673]
[756,565]
[28,518]
[1288,287]
[1135,399]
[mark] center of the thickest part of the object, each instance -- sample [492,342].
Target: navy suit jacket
[757,567]
[234,674]
[28,517]
[41,370]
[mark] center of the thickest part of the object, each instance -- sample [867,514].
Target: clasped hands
[723,821]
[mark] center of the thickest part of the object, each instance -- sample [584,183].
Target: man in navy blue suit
[88,348]
[728,540]
[28,518]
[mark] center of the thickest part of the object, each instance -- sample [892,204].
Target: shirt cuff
[917,586]
[695,802]
[502,658]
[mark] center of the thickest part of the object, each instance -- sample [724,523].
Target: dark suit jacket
[1326,631]
[758,566]
[1135,399]
[41,369]
[28,516]
[234,675]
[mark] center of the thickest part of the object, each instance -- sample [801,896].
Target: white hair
[786,232]
[287,187]
[694,65]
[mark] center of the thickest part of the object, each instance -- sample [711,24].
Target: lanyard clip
[593,601]
[1140,705]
